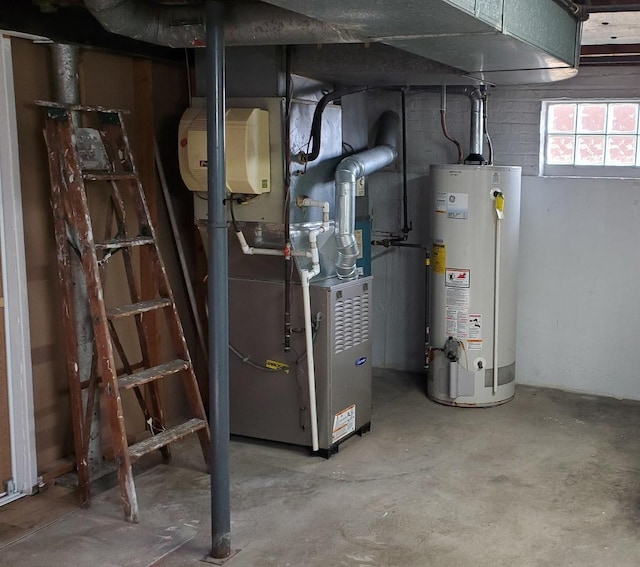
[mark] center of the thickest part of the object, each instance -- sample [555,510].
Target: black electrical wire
[233,214]
[316,124]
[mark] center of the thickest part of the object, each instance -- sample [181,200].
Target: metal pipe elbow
[347,255]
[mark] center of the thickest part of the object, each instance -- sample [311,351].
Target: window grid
[593,133]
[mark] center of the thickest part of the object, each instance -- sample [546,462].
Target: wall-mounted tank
[474,219]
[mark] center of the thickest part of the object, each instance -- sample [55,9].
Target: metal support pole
[218,291]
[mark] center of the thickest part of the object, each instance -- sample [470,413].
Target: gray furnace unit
[269,391]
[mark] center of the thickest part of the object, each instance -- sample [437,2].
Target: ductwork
[496,41]
[247,23]
[347,174]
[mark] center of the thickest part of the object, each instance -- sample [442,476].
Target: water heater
[474,219]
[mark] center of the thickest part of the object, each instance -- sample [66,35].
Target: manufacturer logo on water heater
[361,361]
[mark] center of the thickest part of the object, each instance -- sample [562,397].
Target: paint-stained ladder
[72,174]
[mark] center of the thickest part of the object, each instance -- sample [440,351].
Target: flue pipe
[348,172]
[476,137]
[66,85]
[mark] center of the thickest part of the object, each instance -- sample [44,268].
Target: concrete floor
[548,479]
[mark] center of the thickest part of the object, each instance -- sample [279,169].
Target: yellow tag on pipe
[500,206]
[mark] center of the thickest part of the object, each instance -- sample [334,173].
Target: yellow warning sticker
[439,258]
[276,365]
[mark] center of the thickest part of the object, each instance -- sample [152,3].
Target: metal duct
[348,172]
[251,23]
[496,41]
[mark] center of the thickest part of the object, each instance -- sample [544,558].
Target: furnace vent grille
[351,322]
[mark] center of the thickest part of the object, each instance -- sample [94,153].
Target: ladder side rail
[81,432]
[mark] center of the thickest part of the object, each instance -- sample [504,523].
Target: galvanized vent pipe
[247,23]
[477,98]
[348,172]
[476,137]
[66,86]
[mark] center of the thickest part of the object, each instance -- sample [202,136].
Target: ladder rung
[117,243]
[81,107]
[137,308]
[108,176]
[153,373]
[165,437]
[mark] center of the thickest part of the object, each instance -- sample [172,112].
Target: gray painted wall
[579,238]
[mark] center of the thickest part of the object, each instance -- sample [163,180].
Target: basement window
[591,138]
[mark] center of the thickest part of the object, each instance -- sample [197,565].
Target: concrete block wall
[556,346]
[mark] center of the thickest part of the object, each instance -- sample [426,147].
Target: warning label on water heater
[475,331]
[441,202]
[457,323]
[457,278]
[457,298]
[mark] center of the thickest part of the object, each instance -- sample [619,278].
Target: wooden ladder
[100,155]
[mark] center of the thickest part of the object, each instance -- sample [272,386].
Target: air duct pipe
[250,23]
[347,174]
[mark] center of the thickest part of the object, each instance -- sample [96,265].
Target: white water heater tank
[474,219]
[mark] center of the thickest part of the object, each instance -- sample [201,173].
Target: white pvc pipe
[324,205]
[496,306]
[311,375]
[305,277]
[250,251]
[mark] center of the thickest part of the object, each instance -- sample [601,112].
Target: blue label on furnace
[361,361]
